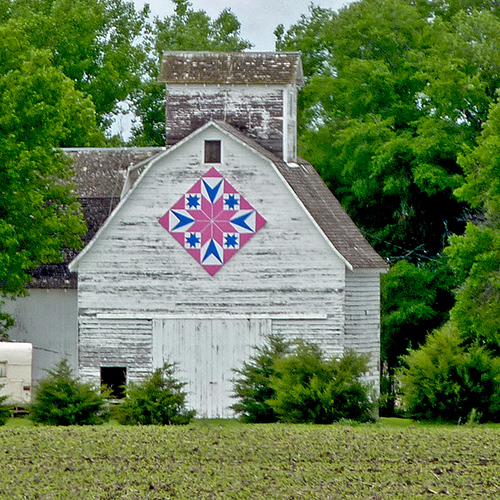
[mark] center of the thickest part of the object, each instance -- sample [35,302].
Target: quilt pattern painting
[212,221]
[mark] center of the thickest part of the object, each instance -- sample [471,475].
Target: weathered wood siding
[256,110]
[362,321]
[206,351]
[117,342]
[323,331]
[287,271]
[49,320]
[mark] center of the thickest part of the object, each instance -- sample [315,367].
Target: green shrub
[157,400]
[253,387]
[309,388]
[62,399]
[298,385]
[4,409]
[445,381]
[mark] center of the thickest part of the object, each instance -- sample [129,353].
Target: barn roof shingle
[232,68]
[322,205]
[99,176]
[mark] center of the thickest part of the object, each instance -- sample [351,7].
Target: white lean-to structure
[220,239]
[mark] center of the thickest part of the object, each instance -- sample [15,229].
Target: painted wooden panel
[207,351]
[325,332]
[256,110]
[137,266]
[362,328]
[49,320]
[115,342]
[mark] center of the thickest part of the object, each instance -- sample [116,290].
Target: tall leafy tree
[388,110]
[475,256]
[186,29]
[93,42]
[40,110]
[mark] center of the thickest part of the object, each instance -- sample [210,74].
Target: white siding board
[328,333]
[136,264]
[49,320]
[207,351]
[116,342]
[362,321]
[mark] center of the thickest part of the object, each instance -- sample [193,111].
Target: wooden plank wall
[255,110]
[115,342]
[207,351]
[362,322]
[287,272]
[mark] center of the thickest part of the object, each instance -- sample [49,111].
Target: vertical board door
[206,352]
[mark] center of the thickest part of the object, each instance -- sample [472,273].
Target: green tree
[62,399]
[93,42]
[186,29]
[309,388]
[253,387]
[40,110]
[158,400]
[475,256]
[443,380]
[457,371]
[415,300]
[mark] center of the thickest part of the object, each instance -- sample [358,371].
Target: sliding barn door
[207,351]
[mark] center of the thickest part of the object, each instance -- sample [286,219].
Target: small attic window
[212,151]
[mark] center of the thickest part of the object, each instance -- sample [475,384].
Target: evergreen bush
[62,399]
[253,386]
[298,384]
[309,388]
[157,400]
[447,381]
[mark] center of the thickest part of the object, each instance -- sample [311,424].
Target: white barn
[218,240]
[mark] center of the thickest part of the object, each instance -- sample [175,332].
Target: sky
[258,18]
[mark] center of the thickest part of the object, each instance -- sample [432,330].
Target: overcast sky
[258,18]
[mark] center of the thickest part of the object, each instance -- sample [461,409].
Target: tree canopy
[40,110]
[92,42]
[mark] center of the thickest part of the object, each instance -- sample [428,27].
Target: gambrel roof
[100,175]
[232,68]
[310,191]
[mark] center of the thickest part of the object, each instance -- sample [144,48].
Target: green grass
[393,459]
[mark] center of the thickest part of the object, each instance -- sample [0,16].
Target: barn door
[206,351]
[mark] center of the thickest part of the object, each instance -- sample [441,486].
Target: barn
[199,250]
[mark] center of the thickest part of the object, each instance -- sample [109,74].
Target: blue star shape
[192,240]
[232,201]
[193,201]
[231,240]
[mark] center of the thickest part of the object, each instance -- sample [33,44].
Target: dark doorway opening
[114,378]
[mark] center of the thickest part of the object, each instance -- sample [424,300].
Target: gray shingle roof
[261,68]
[99,176]
[324,208]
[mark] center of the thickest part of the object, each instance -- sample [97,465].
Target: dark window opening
[212,152]
[114,378]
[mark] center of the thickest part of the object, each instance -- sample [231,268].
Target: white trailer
[16,369]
